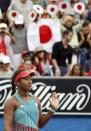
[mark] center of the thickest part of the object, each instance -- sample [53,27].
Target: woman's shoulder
[10,102]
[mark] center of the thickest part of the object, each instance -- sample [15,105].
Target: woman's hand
[89,38]
[54,101]
[57,72]
[82,36]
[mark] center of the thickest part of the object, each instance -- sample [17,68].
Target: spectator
[62,52]
[28,65]
[46,15]
[27,55]
[42,62]
[89,4]
[84,38]
[6,71]
[69,23]
[23,7]
[6,39]
[20,44]
[76,71]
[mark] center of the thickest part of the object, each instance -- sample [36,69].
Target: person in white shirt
[23,7]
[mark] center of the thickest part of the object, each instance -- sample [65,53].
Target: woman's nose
[30,81]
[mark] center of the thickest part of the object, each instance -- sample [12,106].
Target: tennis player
[22,111]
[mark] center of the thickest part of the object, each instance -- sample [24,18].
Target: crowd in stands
[51,37]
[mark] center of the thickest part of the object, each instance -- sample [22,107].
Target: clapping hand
[54,101]
[57,72]
[82,36]
[89,38]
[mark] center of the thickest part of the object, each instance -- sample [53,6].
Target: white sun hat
[5,59]
[3,25]
[19,20]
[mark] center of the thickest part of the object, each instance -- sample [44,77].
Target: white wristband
[51,109]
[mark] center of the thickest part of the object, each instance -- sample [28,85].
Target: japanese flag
[45,34]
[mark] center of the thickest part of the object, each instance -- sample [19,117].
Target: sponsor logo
[75,101]
[68,101]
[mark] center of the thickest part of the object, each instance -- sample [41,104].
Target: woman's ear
[17,83]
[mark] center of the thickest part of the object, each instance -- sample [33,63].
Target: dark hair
[66,32]
[16,26]
[36,18]
[13,80]
[85,23]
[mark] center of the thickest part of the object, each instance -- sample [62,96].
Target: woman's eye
[27,78]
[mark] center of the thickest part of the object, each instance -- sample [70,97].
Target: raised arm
[43,119]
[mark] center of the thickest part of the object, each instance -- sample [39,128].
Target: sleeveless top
[26,116]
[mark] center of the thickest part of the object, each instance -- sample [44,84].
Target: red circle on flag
[32,15]
[64,6]
[52,9]
[14,14]
[45,34]
[79,7]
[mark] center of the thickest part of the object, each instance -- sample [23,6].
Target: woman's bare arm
[8,114]
[43,119]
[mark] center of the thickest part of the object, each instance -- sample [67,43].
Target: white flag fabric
[56,29]
[32,36]
[44,33]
